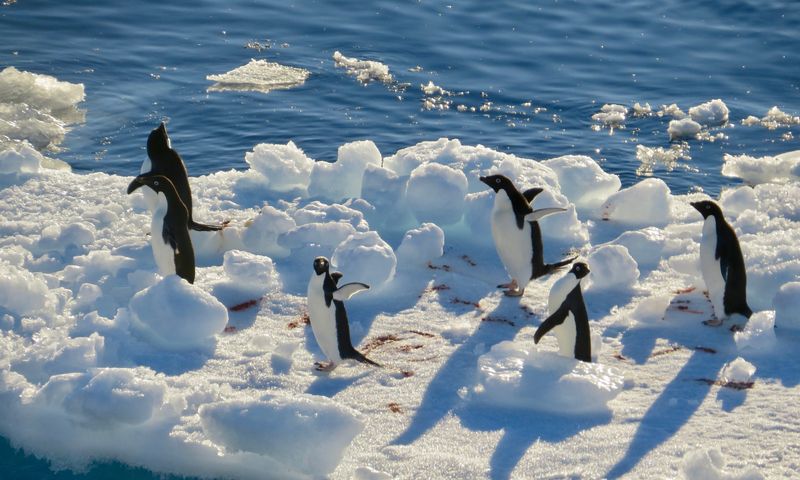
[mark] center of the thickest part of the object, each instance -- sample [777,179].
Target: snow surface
[102,359]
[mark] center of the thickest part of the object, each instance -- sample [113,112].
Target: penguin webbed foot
[324,366]
[712,322]
[515,292]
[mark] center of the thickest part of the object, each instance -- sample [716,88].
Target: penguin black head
[580,270]
[158,142]
[708,208]
[497,182]
[159,183]
[321,265]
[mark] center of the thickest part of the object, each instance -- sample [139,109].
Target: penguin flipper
[348,290]
[542,212]
[554,320]
[531,193]
[336,276]
[202,227]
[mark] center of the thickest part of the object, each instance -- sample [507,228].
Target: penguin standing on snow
[516,233]
[329,317]
[568,318]
[722,265]
[172,248]
[163,160]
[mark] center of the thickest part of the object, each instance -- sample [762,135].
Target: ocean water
[541,69]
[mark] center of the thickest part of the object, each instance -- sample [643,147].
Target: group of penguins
[517,237]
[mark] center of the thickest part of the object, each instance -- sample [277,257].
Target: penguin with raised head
[722,265]
[328,316]
[163,160]
[568,318]
[169,238]
[516,233]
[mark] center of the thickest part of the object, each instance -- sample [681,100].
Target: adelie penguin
[163,160]
[568,318]
[328,316]
[722,265]
[516,233]
[172,246]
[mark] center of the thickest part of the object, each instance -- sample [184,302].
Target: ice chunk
[671,111]
[318,212]
[20,158]
[251,270]
[176,315]
[652,157]
[477,214]
[421,245]
[510,376]
[384,190]
[787,306]
[583,181]
[261,234]
[774,118]
[652,309]
[435,193]
[685,128]
[646,203]
[612,268]
[758,335]
[646,246]
[737,371]
[259,76]
[328,234]
[611,115]
[42,92]
[364,70]
[343,178]
[24,293]
[365,257]
[778,169]
[305,433]
[711,113]
[285,167]
[699,464]
[734,201]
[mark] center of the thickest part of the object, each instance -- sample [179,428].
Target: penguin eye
[497,180]
[708,207]
[155,182]
[577,268]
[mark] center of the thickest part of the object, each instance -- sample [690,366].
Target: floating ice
[343,179]
[611,115]
[711,113]
[366,258]
[709,465]
[671,111]
[612,268]
[737,371]
[513,376]
[774,118]
[42,92]
[259,76]
[685,128]
[435,193]
[668,157]
[307,434]
[778,169]
[787,306]
[285,167]
[758,335]
[176,315]
[583,181]
[642,110]
[365,71]
[261,234]
[421,245]
[646,203]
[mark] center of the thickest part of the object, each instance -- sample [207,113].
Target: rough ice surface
[651,158]
[23,292]
[758,335]
[738,371]
[421,245]
[364,71]
[787,306]
[774,118]
[259,76]
[284,167]
[701,464]
[612,268]
[512,375]
[261,235]
[685,128]
[611,115]
[435,193]
[583,181]
[671,111]
[176,315]
[734,201]
[711,113]
[755,170]
[646,203]
[366,258]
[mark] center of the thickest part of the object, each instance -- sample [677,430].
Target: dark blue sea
[544,66]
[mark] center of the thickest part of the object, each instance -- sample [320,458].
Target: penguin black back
[540,268]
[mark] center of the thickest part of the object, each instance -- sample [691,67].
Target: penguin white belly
[566,333]
[514,246]
[323,319]
[710,267]
[163,253]
[150,197]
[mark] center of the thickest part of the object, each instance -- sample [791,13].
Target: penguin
[163,160]
[172,249]
[516,233]
[568,318]
[329,317]
[722,265]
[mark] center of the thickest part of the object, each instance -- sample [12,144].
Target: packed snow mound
[710,464]
[386,192]
[259,76]
[261,233]
[366,258]
[251,270]
[54,238]
[646,246]
[778,169]
[175,315]
[343,178]
[652,309]
[787,306]
[284,167]
[711,113]
[316,234]
[612,268]
[24,293]
[583,181]
[758,335]
[365,71]
[737,371]
[646,203]
[307,434]
[511,375]
[421,245]
[734,201]
[435,193]
[318,212]
[683,129]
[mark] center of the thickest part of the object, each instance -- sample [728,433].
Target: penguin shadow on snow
[711,347]
[441,397]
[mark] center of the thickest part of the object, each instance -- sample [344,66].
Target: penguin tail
[549,268]
[359,357]
[202,227]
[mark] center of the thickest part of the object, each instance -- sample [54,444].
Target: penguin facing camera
[516,233]
[172,248]
[722,265]
[568,318]
[329,318]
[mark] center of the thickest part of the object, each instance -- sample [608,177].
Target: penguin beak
[484,180]
[135,184]
[696,206]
